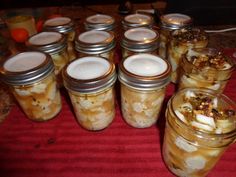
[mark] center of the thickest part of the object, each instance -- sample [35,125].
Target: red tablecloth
[61,148]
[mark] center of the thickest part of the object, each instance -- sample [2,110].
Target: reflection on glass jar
[168,23]
[181,41]
[143,80]
[100,22]
[200,125]
[137,20]
[139,40]
[65,26]
[96,43]
[32,81]
[90,84]
[206,68]
[55,45]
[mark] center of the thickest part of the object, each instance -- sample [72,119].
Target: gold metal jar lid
[140,40]
[95,42]
[89,74]
[59,24]
[144,72]
[174,21]
[100,22]
[48,42]
[137,20]
[26,68]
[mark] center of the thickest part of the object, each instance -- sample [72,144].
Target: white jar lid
[100,19]
[140,34]
[45,38]
[57,21]
[138,19]
[175,20]
[94,36]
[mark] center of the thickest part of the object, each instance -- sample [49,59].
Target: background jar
[90,84]
[100,22]
[168,23]
[54,44]
[137,20]
[205,68]
[30,77]
[191,145]
[181,41]
[65,26]
[139,40]
[96,43]
[143,79]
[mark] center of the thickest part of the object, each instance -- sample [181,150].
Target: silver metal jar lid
[144,72]
[48,42]
[26,68]
[175,21]
[140,40]
[137,20]
[100,22]
[89,74]
[95,42]
[59,24]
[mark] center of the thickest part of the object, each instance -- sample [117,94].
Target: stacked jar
[54,44]
[139,40]
[96,43]
[31,79]
[143,78]
[168,23]
[90,84]
[181,41]
[65,26]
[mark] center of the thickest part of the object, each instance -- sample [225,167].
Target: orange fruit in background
[19,34]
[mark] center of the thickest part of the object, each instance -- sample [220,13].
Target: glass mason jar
[143,79]
[139,40]
[181,41]
[54,44]
[96,43]
[200,125]
[99,22]
[137,20]
[206,68]
[30,77]
[65,26]
[90,84]
[168,23]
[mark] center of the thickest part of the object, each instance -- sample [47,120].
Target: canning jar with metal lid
[65,26]
[54,44]
[139,40]
[168,23]
[100,22]
[30,77]
[143,79]
[90,84]
[96,43]
[137,20]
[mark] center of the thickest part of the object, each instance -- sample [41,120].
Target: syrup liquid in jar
[31,79]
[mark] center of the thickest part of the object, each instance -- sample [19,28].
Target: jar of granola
[200,126]
[139,40]
[65,26]
[90,84]
[100,22]
[96,43]
[30,77]
[54,44]
[137,20]
[168,23]
[143,78]
[206,68]
[181,41]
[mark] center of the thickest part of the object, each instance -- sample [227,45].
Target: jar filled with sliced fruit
[206,68]
[90,84]
[143,78]
[181,41]
[30,77]
[200,126]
